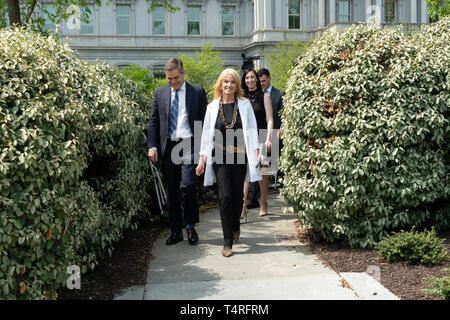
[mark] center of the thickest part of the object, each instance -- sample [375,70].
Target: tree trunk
[14,12]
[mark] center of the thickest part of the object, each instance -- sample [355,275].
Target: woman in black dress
[262,107]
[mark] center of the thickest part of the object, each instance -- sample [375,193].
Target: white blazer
[250,130]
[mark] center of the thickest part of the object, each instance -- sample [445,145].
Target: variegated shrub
[366,133]
[72,165]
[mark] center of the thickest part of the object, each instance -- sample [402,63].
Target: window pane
[193,14]
[228,14]
[123,27]
[88,27]
[344,8]
[159,14]
[227,21]
[123,12]
[123,19]
[294,7]
[294,22]
[228,28]
[389,11]
[193,20]
[344,11]
[158,27]
[193,28]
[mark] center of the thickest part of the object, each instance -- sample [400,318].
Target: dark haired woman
[262,108]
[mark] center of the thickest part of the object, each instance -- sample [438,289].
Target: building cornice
[195,2]
[229,2]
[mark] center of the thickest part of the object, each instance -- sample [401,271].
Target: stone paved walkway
[268,263]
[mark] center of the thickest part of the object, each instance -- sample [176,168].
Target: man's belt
[230,149]
[178,139]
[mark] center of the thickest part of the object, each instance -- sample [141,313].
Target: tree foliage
[281,60]
[204,69]
[438,8]
[143,77]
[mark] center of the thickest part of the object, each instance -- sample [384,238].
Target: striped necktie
[173,116]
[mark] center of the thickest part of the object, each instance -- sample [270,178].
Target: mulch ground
[126,267]
[405,281]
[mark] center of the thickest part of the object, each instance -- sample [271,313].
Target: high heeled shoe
[227,252]
[244,213]
[263,209]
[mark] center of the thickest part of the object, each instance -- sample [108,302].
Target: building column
[255,15]
[238,21]
[321,13]
[368,11]
[261,18]
[413,17]
[379,4]
[332,9]
[424,11]
[267,14]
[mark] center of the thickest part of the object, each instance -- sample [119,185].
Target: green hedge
[73,172]
[413,247]
[366,131]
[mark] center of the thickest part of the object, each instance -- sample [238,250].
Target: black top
[257,101]
[238,140]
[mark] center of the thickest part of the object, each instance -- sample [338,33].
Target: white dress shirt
[183,130]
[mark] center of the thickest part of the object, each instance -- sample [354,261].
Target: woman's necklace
[222,115]
[252,96]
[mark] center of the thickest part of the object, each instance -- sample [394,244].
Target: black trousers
[183,173]
[230,183]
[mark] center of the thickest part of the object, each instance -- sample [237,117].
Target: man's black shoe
[192,235]
[174,238]
[254,204]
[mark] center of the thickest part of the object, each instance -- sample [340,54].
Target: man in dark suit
[176,106]
[276,96]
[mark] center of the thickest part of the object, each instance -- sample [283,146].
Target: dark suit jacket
[159,120]
[276,97]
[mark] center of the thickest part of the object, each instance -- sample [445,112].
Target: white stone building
[123,32]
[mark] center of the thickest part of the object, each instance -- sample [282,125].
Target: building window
[193,21]
[159,20]
[48,12]
[344,11]
[390,11]
[122,66]
[294,14]
[158,71]
[87,27]
[123,19]
[227,21]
